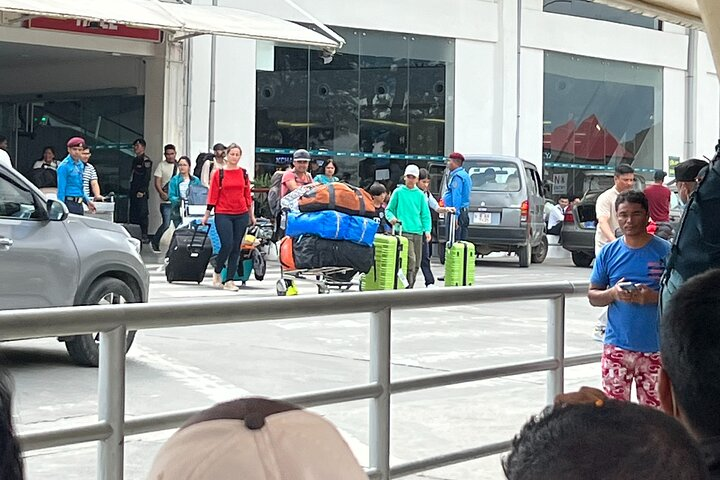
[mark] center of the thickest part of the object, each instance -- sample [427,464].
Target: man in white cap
[256,439]
[408,205]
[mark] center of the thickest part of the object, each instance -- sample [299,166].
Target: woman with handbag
[230,197]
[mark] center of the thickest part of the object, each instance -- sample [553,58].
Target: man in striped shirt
[91,187]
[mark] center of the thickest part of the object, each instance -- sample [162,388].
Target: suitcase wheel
[281,288]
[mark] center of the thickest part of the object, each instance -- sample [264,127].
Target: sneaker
[230,286]
[430,285]
[217,280]
[156,248]
[440,279]
[599,333]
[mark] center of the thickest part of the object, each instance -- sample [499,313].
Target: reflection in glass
[382,94]
[596,11]
[598,114]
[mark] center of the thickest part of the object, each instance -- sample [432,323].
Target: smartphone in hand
[629,286]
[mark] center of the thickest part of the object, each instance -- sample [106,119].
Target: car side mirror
[57,210]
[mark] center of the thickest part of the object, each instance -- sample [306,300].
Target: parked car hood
[98,224]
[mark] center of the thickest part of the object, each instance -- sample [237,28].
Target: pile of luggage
[331,225]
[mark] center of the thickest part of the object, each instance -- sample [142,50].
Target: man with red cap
[70,178]
[457,195]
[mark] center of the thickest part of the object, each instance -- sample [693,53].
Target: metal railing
[114,321]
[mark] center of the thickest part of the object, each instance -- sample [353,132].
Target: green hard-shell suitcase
[391,264]
[459,260]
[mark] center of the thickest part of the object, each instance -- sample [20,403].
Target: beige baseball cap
[256,439]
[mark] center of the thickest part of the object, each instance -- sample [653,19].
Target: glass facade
[376,105]
[597,114]
[596,11]
[108,123]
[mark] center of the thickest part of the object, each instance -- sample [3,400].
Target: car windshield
[493,176]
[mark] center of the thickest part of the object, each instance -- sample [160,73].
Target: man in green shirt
[409,206]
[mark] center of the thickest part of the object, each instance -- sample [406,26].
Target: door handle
[5,243]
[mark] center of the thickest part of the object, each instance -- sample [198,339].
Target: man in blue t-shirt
[626,277]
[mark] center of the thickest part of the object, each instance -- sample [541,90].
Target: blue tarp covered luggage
[332,225]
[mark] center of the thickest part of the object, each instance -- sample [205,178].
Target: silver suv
[52,259]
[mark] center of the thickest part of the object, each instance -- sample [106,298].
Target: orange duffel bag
[287,258]
[340,197]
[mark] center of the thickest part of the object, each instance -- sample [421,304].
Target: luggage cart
[325,279]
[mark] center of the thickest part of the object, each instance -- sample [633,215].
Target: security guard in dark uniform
[139,188]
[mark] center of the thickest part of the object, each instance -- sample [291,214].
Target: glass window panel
[586,9]
[599,113]
[282,100]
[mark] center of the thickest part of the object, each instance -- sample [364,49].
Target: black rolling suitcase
[188,255]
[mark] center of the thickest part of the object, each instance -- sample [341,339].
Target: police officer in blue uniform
[70,178]
[457,194]
[140,187]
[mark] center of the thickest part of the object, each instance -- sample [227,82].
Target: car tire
[581,259]
[539,253]
[524,253]
[84,349]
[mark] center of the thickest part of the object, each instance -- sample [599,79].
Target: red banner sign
[96,28]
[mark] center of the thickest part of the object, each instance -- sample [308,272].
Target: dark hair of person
[632,196]
[376,189]
[186,158]
[330,162]
[618,441]
[48,148]
[424,174]
[169,146]
[3,138]
[689,339]
[623,169]
[140,141]
[11,464]
[563,196]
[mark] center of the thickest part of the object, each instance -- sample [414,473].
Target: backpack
[697,243]
[274,194]
[200,161]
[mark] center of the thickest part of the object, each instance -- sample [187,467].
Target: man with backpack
[211,163]
[695,248]
[163,174]
[298,176]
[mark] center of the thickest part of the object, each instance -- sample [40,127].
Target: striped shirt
[88,175]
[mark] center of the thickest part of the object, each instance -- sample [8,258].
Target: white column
[475,97]
[235,90]
[154,127]
[507,68]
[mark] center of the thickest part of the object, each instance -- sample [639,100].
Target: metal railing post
[380,406]
[111,403]
[556,346]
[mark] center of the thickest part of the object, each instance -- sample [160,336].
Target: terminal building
[569,85]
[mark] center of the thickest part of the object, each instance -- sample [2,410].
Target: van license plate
[483,218]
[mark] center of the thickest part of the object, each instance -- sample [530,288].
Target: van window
[532,182]
[491,176]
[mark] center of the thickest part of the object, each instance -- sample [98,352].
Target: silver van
[49,258]
[506,207]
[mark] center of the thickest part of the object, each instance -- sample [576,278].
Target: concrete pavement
[191,367]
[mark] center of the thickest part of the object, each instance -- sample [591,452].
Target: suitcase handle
[451,229]
[398,224]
